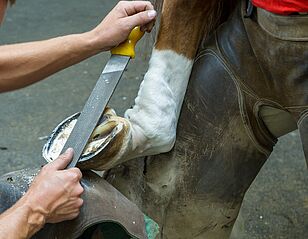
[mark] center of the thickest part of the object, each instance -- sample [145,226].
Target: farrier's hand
[117,25]
[56,192]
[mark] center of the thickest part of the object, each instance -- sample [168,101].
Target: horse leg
[150,126]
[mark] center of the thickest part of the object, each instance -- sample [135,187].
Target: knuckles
[79,190]
[73,215]
[76,214]
[45,169]
[122,4]
[79,203]
[74,174]
[74,177]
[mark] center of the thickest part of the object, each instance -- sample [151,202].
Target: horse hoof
[108,142]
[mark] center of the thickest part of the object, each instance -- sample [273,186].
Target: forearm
[21,221]
[26,63]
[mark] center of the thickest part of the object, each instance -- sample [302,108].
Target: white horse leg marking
[158,104]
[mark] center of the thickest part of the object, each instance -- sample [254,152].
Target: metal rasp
[100,95]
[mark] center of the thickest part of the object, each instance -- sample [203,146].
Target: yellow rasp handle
[127,48]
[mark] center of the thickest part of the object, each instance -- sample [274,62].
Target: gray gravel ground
[276,205]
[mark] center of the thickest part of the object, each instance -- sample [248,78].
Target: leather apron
[103,205]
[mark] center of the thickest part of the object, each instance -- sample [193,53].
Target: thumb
[141,18]
[63,160]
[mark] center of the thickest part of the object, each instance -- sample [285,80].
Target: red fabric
[283,7]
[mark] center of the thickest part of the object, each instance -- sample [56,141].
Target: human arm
[53,196]
[26,63]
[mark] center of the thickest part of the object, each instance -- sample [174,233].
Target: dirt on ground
[276,205]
